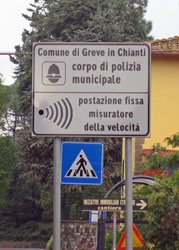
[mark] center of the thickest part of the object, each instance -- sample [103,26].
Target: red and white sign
[117,217]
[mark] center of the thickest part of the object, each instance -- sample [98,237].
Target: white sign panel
[91,89]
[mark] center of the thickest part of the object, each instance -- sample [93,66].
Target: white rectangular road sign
[91,89]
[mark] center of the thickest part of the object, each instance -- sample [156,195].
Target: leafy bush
[163,228]
[29,232]
[50,244]
[109,240]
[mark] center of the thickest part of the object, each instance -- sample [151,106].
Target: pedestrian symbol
[82,163]
[81,167]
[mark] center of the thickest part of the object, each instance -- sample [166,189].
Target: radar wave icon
[60,113]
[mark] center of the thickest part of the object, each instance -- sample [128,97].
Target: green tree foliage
[23,198]
[31,180]
[163,229]
[109,240]
[158,159]
[11,119]
[99,20]
[36,156]
[173,140]
[8,159]
[3,96]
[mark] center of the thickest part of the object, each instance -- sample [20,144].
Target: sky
[164,15]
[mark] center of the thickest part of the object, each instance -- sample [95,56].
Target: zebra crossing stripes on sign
[81,167]
[82,163]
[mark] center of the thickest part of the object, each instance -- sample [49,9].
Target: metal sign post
[114,230]
[57,194]
[129,208]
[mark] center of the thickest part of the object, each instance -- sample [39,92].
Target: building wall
[164,99]
[75,234]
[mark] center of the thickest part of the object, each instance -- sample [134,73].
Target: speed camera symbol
[59,112]
[53,73]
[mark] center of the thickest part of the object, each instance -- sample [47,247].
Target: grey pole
[14,53]
[57,194]
[129,196]
[114,230]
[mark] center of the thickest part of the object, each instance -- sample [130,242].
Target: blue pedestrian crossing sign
[82,163]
